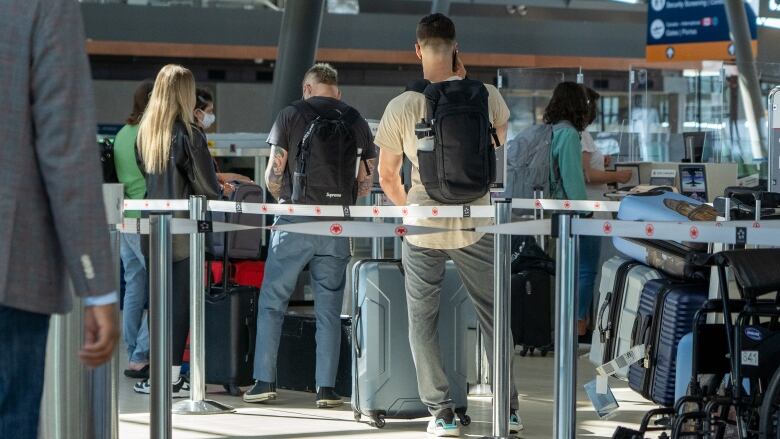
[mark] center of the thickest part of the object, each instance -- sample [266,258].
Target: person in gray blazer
[52,220]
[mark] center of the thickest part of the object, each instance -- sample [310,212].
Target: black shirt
[291,124]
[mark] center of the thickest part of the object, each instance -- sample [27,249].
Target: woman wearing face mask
[205,118]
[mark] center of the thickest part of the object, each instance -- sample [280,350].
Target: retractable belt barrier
[564,225]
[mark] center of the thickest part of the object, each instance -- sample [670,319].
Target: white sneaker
[515,422]
[181,388]
[444,425]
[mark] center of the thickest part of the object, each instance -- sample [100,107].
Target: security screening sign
[692,30]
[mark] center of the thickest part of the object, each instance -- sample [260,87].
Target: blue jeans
[135,326]
[288,254]
[590,252]
[23,345]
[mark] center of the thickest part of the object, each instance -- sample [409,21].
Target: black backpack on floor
[327,159]
[461,165]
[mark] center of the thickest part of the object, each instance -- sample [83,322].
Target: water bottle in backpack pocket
[455,148]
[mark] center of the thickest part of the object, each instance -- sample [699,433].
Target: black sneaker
[328,398]
[180,389]
[140,374]
[261,392]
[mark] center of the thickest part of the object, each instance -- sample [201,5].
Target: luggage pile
[712,380]
[234,276]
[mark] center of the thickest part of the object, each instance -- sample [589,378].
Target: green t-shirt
[127,167]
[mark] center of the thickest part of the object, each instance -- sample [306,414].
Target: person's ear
[418,51]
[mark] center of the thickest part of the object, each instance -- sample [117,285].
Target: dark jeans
[180,312]
[23,345]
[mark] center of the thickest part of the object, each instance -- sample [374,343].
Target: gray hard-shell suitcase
[384,378]
[622,281]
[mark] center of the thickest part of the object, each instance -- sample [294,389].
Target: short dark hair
[203,98]
[435,29]
[140,101]
[570,103]
[593,109]
[323,73]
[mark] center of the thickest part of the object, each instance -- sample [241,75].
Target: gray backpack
[528,163]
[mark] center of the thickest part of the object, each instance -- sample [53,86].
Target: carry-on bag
[670,257]
[622,281]
[666,313]
[532,311]
[247,273]
[384,377]
[296,362]
[231,328]
[243,244]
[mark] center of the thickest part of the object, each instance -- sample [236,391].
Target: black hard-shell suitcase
[384,376]
[231,329]
[297,358]
[532,308]
[666,313]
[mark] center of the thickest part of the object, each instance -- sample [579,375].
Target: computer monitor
[693,182]
[693,146]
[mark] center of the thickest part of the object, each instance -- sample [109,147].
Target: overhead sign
[691,30]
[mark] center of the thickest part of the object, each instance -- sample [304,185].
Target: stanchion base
[205,407]
[511,436]
[480,390]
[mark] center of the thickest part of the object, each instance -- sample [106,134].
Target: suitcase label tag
[636,354]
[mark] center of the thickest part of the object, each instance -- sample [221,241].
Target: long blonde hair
[173,97]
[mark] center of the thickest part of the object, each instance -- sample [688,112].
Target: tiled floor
[293,415]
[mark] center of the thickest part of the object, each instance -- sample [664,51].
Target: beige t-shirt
[396,135]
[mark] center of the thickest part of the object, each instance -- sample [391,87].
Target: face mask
[208,120]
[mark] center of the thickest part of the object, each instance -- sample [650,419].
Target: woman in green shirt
[135,328]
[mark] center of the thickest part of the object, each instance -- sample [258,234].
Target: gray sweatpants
[424,270]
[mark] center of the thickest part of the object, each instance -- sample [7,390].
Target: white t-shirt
[595,191]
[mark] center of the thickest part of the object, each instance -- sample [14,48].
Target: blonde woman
[177,164]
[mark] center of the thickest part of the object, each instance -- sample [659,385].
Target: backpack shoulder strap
[305,108]
[418,85]
[350,116]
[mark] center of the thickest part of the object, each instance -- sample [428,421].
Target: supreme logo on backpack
[455,149]
[327,159]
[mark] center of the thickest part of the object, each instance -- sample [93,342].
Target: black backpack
[107,160]
[461,165]
[327,159]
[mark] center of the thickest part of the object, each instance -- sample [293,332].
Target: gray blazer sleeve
[65,145]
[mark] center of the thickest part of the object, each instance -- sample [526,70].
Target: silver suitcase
[384,378]
[622,281]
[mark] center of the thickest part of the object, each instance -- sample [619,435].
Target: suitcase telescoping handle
[604,333]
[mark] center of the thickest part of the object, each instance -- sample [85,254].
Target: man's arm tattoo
[366,177]
[275,172]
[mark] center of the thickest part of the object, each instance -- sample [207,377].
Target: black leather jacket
[190,171]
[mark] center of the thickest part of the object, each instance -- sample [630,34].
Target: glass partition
[527,92]
[675,115]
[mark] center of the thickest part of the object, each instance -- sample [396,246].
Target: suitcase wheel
[233,390]
[378,421]
[543,352]
[465,419]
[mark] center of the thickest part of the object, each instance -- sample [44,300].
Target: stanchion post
[502,351]
[197,404]
[565,421]
[377,244]
[160,286]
